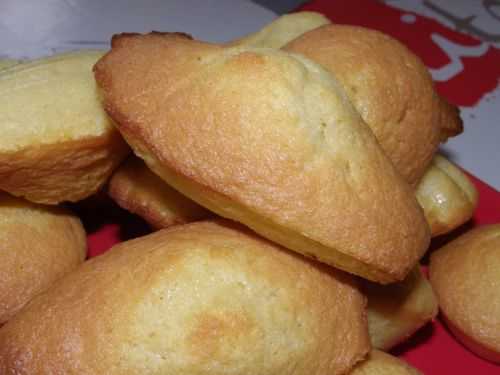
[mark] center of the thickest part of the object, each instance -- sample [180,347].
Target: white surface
[478,148]
[31,28]
[481,19]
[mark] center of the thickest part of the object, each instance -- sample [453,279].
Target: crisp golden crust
[380,363]
[57,142]
[446,195]
[38,245]
[282,30]
[201,298]
[388,85]
[135,188]
[270,140]
[465,275]
[398,310]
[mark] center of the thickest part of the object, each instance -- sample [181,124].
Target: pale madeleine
[199,299]
[447,196]
[380,363]
[397,311]
[57,142]
[135,188]
[282,30]
[465,275]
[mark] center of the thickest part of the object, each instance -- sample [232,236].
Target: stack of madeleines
[292,180]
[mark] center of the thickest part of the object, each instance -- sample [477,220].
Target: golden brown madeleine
[282,30]
[389,86]
[135,188]
[380,363]
[398,310]
[57,142]
[268,139]
[465,274]
[201,298]
[38,245]
[446,195]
